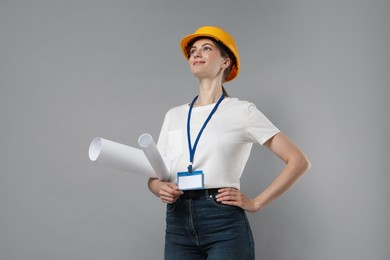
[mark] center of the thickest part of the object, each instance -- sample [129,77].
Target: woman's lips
[198,62]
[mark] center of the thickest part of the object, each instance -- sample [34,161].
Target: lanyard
[192,149]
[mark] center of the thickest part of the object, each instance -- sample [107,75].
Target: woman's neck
[209,93]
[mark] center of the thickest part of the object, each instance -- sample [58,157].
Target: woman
[208,143]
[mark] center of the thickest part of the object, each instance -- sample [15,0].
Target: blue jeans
[206,229]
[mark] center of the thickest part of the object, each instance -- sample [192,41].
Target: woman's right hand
[168,192]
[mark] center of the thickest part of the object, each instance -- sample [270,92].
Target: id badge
[190,181]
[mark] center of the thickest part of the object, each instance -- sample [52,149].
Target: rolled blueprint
[120,156]
[149,147]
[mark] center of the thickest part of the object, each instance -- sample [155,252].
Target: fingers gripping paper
[146,162]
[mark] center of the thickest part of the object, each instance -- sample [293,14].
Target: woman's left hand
[234,197]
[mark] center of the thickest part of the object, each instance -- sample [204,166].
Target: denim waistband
[199,194]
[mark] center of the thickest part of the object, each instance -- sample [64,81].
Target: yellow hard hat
[219,35]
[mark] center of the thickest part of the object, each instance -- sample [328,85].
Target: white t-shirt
[224,146]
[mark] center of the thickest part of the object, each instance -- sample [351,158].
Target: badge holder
[190,181]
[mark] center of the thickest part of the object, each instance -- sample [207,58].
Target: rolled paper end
[94,148]
[145,140]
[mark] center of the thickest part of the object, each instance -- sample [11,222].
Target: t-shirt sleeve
[260,128]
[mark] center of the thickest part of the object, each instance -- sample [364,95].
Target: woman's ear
[226,63]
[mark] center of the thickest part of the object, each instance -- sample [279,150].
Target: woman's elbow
[305,164]
[300,163]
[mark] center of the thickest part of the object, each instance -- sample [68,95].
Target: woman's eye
[204,49]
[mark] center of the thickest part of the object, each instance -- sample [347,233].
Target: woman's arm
[168,192]
[296,165]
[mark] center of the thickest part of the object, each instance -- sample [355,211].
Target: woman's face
[205,59]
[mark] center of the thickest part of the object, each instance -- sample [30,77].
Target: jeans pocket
[217,204]
[171,207]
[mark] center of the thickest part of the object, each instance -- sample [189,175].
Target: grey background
[73,70]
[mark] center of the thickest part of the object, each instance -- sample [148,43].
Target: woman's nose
[197,53]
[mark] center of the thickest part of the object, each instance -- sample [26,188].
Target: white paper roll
[120,156]
[149,147]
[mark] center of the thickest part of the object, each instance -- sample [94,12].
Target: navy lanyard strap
[192,149]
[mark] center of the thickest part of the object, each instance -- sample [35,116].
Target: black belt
[199,194]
